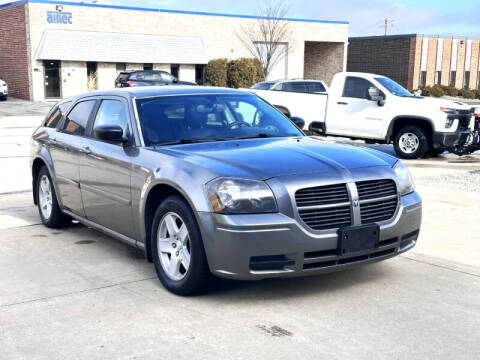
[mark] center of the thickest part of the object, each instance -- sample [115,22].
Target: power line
[386,24]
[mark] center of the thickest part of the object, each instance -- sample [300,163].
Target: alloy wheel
[45,197]
[173,246]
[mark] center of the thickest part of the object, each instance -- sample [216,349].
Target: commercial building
[418,60]
[54,49]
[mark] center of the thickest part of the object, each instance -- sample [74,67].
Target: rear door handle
[342,103]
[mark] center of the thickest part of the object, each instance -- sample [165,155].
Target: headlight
[448,110]
[404,178]
[240,196]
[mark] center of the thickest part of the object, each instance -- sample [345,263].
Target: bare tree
[268,37]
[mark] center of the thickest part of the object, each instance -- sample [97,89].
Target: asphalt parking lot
[76,293]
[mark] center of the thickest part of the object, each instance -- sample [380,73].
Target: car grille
[329,207]
[324,207]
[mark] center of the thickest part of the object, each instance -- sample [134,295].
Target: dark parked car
[216,181]
[147,78]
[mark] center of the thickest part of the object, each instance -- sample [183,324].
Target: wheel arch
[37,163]
[398,122]
[156,193]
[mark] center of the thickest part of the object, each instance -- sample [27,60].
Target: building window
[121,66]
[438,77]
[200,74]
[423,78]
[147,66]
[92,83]
[466,80]
[452,78]
[174,69]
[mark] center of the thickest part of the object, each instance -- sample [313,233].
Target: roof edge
[172,11]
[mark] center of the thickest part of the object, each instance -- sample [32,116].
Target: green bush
[467,94]
[477,94]
[243,73]
[216,73]
[437,91]
[451,91]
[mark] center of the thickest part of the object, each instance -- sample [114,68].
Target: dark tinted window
[137,76]
[356,87]
[123,76]
[314,87]
[263,86]
[174,69]
[296,86]
[56,114]
[112,112]
[77,119]
[147,66]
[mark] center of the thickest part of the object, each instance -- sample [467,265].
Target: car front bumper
[249,247]
[444,140]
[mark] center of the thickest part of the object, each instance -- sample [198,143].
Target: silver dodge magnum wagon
[217,181]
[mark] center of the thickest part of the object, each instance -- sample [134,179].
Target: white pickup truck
[378,110]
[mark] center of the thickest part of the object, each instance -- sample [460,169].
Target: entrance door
[52,78]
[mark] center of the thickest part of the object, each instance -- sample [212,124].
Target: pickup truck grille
[324,207]
[330,207]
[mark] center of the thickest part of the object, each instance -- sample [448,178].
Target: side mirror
[375,95]
[112,133]
[298,121]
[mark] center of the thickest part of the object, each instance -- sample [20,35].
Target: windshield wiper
[188,141]
[262,135]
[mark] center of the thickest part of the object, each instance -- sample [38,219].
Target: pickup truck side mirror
[298,121]
[375,95]
[113,133]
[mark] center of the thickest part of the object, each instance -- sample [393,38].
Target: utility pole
[385,24]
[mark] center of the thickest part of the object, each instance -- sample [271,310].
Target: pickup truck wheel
[48,208]
[177,248]
[411,143]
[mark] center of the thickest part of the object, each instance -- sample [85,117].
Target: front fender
[41,153]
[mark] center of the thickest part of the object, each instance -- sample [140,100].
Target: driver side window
[245,112]
[356,87]
[112,112]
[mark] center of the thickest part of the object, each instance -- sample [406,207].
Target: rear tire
[411,142]
[4,98]
[50,213]
[177,248]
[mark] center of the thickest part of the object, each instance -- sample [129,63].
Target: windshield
[263,86]
[394,87]
[198,118]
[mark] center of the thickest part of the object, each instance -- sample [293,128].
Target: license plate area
[356,239]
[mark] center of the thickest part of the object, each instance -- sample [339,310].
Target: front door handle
[52,141]
[87,150]
[342,103]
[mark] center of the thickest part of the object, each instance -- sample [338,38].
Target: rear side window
[123,76]
[112,112]
[56,115]
[356,87]
[137,76]
[295,87]
[76,121]
[314,87]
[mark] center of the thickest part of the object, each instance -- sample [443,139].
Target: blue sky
[443,17]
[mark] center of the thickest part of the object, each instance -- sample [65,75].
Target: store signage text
[59,17]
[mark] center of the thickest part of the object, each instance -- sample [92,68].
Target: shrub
[477,94]
[451,91]
[467,94]
[216,73]
[437,91]
[243,72]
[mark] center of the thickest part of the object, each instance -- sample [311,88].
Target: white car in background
[3,90]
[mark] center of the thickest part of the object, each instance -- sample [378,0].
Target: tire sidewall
[57,218]
[422,146]
[196,272]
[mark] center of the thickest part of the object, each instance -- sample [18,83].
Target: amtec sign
[59,17]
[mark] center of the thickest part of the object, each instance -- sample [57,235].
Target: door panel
[65,152]
[105,171]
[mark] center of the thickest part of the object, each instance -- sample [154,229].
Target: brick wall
[431,61]
[384,56]
[474,64]
[323,60]
[446,61]
[14,60]
[461,52]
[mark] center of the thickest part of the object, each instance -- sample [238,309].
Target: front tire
[411,142]
[177,248]
[48,208]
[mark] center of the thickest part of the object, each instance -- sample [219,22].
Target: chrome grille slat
[330,206]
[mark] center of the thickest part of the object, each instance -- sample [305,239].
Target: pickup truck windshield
[185,119]
[394,87]
[263,86]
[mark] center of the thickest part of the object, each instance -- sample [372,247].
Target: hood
[273,157]
[438,102]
